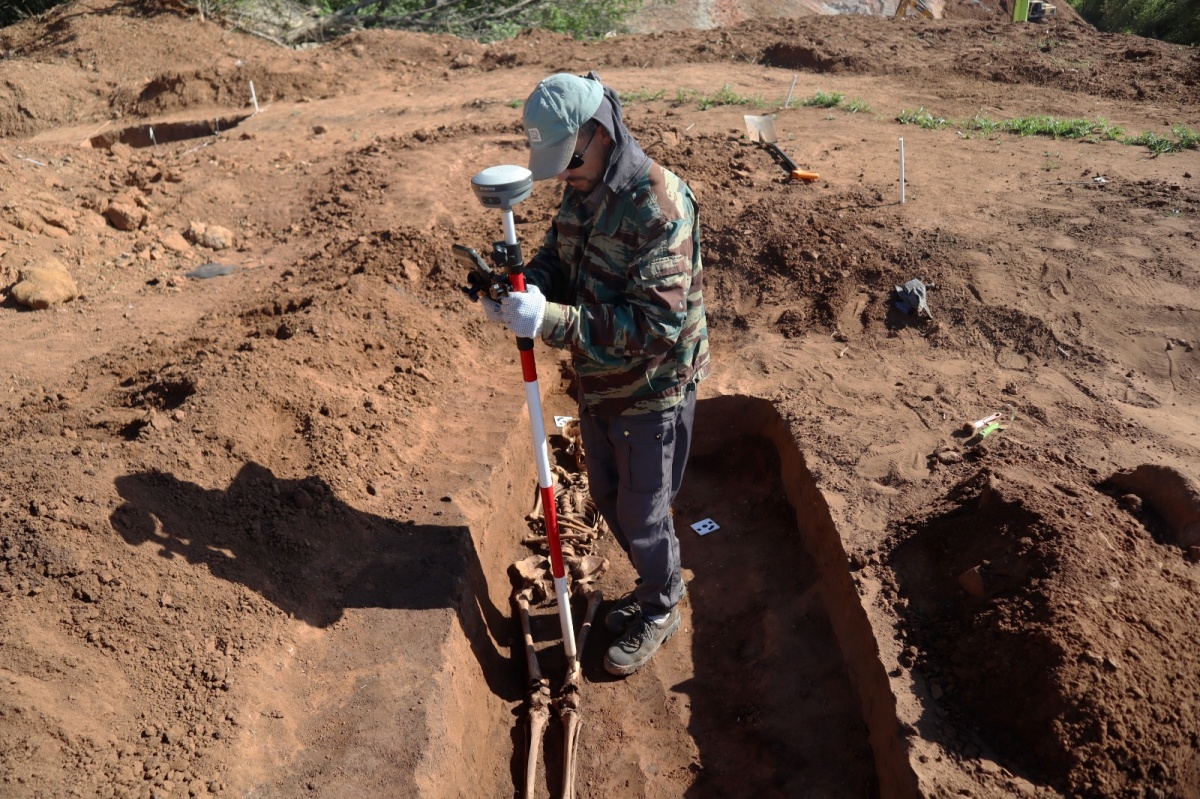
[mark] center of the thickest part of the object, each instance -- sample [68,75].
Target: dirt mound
[262,487]
[1011,590]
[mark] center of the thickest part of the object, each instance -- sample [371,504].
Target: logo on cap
[534,134]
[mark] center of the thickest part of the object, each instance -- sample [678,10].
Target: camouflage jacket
[624,288]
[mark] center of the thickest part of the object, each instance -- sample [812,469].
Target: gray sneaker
[639,643]
[624,612]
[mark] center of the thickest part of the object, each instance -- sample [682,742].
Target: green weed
[722,96]
[1185,139]
[923,119]
[982,125]
[1098,130]
[640,96]
[824,100]
[1042,125]
[857,106]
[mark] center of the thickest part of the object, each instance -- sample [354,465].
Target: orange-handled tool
[796,172]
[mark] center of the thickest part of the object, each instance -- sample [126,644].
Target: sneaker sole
[625,671]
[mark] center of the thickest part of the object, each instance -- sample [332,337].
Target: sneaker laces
[637,634]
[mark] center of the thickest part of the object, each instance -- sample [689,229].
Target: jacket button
[658,437]
[626,434]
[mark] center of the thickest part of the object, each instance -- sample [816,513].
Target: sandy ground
[256,527]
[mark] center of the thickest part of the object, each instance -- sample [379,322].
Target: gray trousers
[635,467]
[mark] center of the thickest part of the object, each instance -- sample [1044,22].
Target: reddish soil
[255,528]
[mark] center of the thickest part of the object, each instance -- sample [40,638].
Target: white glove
[491,310]
[523,311]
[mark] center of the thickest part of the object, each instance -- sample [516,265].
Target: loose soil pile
[264,474]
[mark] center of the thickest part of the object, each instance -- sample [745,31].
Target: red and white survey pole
[503,187]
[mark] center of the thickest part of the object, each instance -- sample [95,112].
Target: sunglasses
[577,158]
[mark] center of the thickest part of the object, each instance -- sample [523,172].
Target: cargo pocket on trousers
[649,453]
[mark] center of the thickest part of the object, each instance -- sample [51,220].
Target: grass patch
[722,96]
[1185,139]
[640,96]
[857,106]
[1093,130]
[823,100]
[1098,130]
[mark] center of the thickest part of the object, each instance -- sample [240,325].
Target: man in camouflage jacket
[617,282]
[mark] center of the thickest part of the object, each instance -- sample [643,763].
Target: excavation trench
[773,685]
[156,133]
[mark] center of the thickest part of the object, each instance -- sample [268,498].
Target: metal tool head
[502,187]
[760,128]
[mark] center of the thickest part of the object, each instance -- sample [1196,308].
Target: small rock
[41,288]
[60,218]
[125,215]
[1130,502]
[173,240]
[949,456]
[1024,787]
[412,272]
[319,129]
[214,237]
[972,582]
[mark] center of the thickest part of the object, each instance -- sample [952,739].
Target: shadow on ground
[298,546]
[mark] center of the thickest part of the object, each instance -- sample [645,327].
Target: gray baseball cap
[554,112]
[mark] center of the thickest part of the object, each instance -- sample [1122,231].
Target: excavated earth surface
[256,526]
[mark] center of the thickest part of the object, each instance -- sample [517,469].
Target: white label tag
[534,134]
[705,526]
[562,421]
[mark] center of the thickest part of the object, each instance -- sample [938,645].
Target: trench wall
[719,422]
